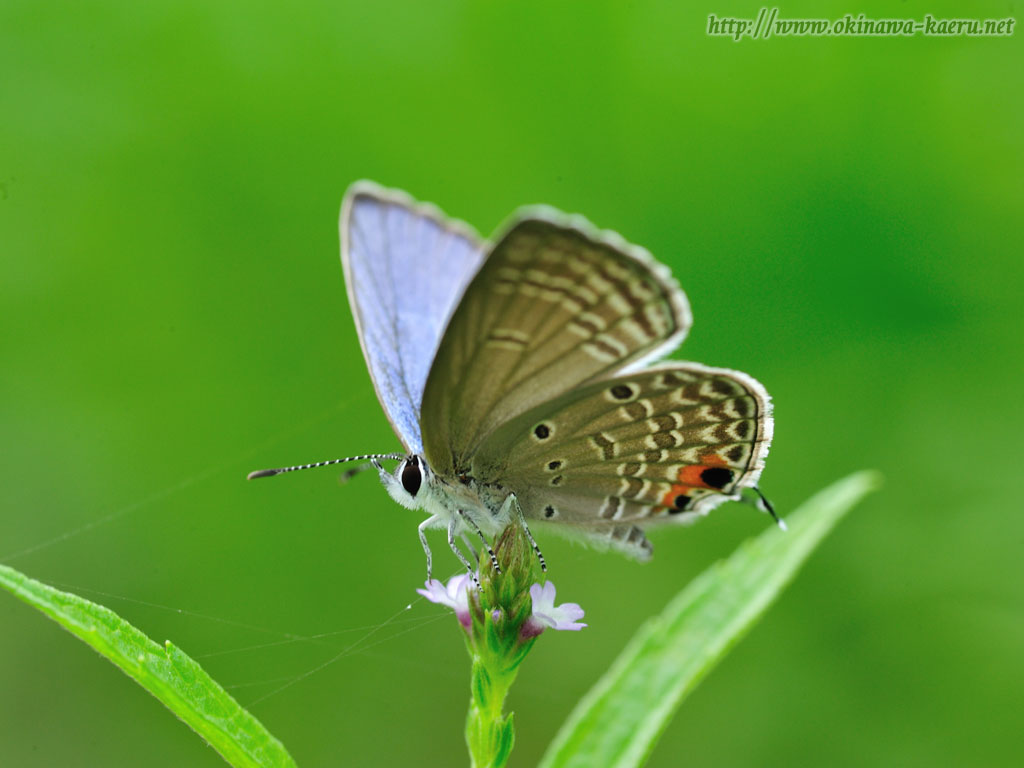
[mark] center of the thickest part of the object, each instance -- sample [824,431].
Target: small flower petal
[454,594]
[435,592]
[547,613]
[543,594]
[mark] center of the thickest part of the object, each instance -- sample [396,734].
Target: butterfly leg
[473,554]
[540,556]
[472,524]
[422,528]
[452,530]
[510,502]
[385,476]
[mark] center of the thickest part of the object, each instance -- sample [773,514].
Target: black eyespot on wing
[621,391]
[542,431]
[549,511]
[679,504]
[553,465]
[716,477]
[412,478]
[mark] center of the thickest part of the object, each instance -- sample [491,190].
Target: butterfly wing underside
[405,267]
[662,445]
[556,304]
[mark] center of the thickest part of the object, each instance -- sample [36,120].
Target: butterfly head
[412,481]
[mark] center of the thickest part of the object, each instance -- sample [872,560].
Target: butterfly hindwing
[405,265]
[664,444]
[555,304]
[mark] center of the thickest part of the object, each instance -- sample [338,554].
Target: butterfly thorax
[444,498]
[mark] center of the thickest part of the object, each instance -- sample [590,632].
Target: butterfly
[519,376]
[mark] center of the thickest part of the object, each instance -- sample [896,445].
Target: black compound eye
[412,477]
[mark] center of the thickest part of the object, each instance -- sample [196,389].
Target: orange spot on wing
[690,477]
[669,499]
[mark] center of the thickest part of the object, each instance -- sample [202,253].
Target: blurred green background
[844,214]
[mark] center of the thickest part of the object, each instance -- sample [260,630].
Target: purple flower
[454,595]
[547,614]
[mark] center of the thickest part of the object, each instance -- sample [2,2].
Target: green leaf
[163,670]
[618,722]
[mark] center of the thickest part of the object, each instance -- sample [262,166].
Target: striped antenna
[282,470]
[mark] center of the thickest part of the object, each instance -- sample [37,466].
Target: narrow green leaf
[163,670]
[620,719]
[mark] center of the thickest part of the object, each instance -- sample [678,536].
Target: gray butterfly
[516,374]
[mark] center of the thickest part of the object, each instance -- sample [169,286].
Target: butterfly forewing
[405,266]
[665,444]
[556,304]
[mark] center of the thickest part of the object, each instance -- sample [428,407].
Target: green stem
[497,644]
[489,734]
